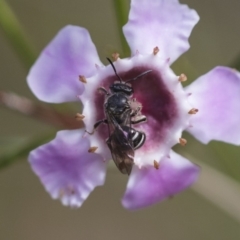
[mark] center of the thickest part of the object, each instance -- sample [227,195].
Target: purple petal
[66,169]
[147,186]
[163,23]
[217,96]
[55,75]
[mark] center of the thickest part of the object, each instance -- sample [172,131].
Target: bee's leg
[102,89]
[138,119]
[96,125]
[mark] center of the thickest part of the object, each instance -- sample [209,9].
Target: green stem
[15,34]
[226,195]
[11,156]
[121,10]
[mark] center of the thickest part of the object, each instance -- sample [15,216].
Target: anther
[156,164]
[155,51]
[182,78]
[79,117]
[92,149]
[82,79]
[182,141]
[115,56]
[193,111]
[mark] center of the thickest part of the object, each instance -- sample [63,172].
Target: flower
[70,166]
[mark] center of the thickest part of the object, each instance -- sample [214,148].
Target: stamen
[193,111]
[115,56]
[156,164]
[182,78]
[92,149]
[155,51]
[82,79]
[182,141]
[79,117]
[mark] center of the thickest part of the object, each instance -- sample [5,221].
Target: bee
[121,112]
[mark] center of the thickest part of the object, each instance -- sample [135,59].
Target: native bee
[122,111]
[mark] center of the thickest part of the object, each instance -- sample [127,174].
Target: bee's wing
[120,145]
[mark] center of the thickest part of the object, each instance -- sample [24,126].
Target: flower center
[158,104]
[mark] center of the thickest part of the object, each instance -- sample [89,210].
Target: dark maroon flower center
[158,103]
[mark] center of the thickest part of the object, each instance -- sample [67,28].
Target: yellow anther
[92,149]
[82,79]
[156,164]
[155,51]
[182,78]
[182,141]
[115,56]
[79,117]
[193,111]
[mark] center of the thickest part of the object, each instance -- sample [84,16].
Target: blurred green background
[210,210]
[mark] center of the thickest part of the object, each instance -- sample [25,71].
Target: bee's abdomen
[138,138]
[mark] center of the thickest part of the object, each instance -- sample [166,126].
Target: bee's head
[125,88]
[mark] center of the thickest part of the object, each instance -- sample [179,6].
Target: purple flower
[65,166]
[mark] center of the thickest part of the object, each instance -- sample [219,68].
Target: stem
[219,189]
[121,10]
[16,35]
[37,111]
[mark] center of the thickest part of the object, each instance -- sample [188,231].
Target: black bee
[121,112]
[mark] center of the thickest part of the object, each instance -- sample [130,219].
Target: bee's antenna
[142,74]
[114,70]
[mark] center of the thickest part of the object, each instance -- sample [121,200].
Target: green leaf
[16,35]
[121,10]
